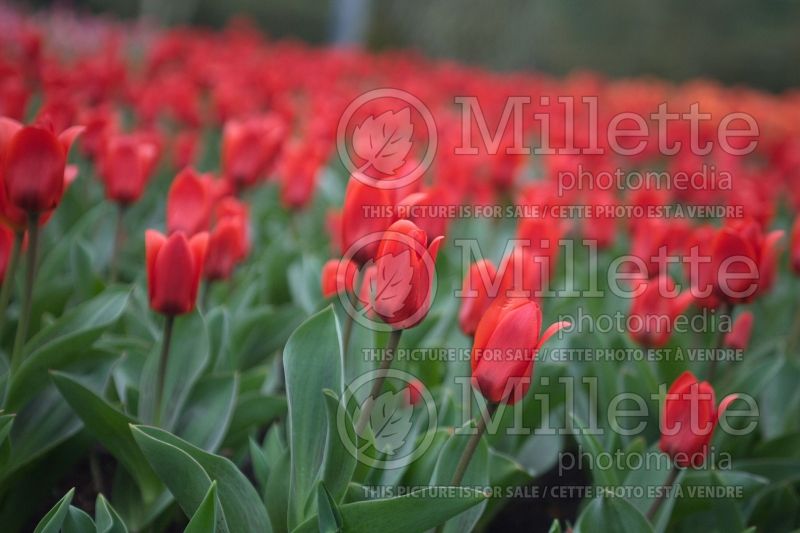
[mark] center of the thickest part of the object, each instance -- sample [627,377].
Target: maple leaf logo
[384,142]
[394,279]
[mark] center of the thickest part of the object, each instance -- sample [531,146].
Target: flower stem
[472,445]
[348,323]
[377,385]
[673,475]
[8,281]
[119,240]
[724,309]
[162,365]
[27,296]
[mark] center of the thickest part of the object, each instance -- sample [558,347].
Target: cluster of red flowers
[278,105]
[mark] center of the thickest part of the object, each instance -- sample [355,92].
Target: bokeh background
[733,41]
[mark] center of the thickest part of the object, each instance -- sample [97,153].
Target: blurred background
[734,41]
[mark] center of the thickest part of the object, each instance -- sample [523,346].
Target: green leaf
[276,497]
[188,357]
[339,464]
[6,423]
[611,514]
[328,516]
[205,420]
[173,458]
[77,521]
[412,513]
[253,410]
[52,521]
[589,444]
[63,342]
[555,527]
[106,519]
[477,475]
[110,427]
[312,362]
[205,518]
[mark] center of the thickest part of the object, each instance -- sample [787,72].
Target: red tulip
[541,236]
[250,147]
[338,275]
[504,350]
[298,175]
[412,394]
[477,295]
[126,165]
[405,270]
[420,208]
[654,310]
[700,272]
[688,419]
[367,211]
[174,266]
[34,162]
[650,240]
[189,202]
[738,337]
[523,274]
[229,241]
[794,247]
[743,260]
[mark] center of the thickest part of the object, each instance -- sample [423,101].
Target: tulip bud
[126,166]
[250,147]
[338,275]
[654,309]
[405,269]
[506,343]
[189,203]
[174,266]
[366,210]
[476,297]
[688,420]
[739,336]
[743,261]
[412,394]
[33,167]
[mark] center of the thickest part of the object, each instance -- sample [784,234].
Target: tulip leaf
[312,361]
[53,520]
[611,514]
[411,513]
[204,519]
[188,357]
[111,427]
[188,471]
[339,464]
[205,420]
[63,342]
[589,444]
[328,516]
[106,519]
[477,475]
[77,521]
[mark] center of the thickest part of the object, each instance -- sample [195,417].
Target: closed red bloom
[174,266]
[523,274]
[33,167]
[654,309]
[476,294]
[189,203]
[420,208]
[367,210]
[542,236]
[405,268]
[738,337]
[688,419]
[338,275]
[126,166]
[506,343]
[744,260]
[699,268]
[298,175]
[229,241]
[250,147]
[794,247]
[412,394]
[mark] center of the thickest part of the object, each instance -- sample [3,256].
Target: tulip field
[255,285]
